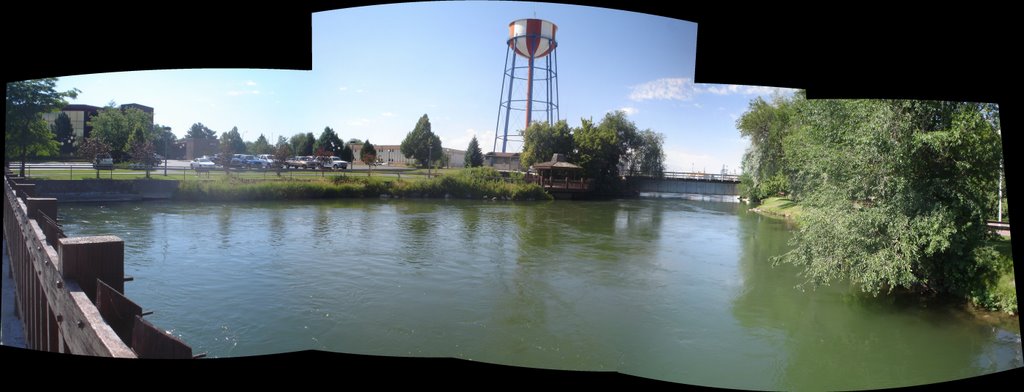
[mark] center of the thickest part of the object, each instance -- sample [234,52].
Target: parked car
[200,164]
[337,163]
[309,162]
[293,162]
[252,162]
[268,160]
[103,162]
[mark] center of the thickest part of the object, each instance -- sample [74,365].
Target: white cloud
[343,88]
[387,114]
[666,88]
[682,89]
[698,105]
[250,83]
[629,110]
[678,159]
[243,92]
[729,89]
[359,90]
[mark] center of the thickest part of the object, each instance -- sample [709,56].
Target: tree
[368,154]
[767,125]
[234,140]
[282,152]
[896,194]
[261,146]
[92,147]
[323,159]
[648,157]
[164,141]
[302,143]
[26,133]
[421,142]
[600,149]
[227,151]
[330,142]
[541,140]
[474,157]
[64,134]
[200,131]
[142,154]
[347,154]
[122,129]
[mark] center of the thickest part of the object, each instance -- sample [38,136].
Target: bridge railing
[692,176]
[69,292]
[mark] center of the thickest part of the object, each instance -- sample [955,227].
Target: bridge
[686,182]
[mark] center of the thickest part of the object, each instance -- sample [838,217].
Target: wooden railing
[70,291]
[560,183]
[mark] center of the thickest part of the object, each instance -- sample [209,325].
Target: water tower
[529,87]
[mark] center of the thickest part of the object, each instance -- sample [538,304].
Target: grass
[780,207]
[468,184]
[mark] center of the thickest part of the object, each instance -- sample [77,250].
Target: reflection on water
[672,289]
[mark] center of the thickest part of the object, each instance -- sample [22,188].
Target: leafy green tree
[330,142]
[234,141]
[896,194]
[347,154]
[767,125]
[648,155]
[142,154]
[282,152]
[600,149]
[368,154]
[200,131]
[422,144]
[121,129]
[92,147]
[261,146]
[542,140]
[474,157]
[164,141]
[64,134]
[26,133]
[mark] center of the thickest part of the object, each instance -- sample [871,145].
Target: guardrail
[185,172]
[69,292]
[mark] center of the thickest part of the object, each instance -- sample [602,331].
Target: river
[670,289]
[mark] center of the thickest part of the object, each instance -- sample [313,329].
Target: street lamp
[165,153]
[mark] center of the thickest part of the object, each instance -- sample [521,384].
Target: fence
[70,291]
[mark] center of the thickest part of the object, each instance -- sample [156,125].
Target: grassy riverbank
[780,207]
[476,183]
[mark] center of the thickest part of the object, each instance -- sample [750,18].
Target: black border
[833,51]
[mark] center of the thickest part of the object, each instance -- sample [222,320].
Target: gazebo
[560,174]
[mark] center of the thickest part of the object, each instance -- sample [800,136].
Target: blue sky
[377,69]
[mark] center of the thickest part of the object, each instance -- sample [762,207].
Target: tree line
[896,193]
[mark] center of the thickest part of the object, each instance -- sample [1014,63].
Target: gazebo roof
[555,165]
[557,162]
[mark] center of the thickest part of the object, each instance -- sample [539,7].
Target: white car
[337,163]
[203,163]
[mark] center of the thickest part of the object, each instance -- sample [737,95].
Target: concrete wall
[684,186]
[106,189]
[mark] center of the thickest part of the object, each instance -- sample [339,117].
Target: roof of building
[502,154]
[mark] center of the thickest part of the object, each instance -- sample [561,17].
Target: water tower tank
[529,86]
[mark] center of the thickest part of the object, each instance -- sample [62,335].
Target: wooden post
[46,205]
[25,190]
[85,259]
